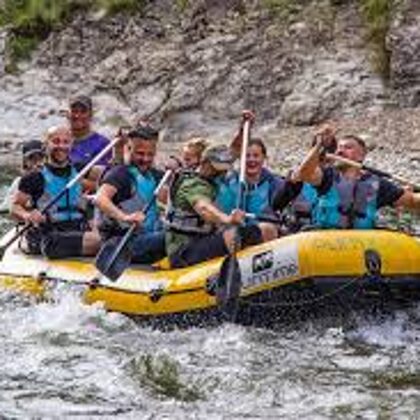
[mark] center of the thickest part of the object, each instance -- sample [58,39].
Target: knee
[268,231]
[91,243]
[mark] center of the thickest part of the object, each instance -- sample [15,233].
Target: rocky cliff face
[195,70]
[205,65]
[404,45]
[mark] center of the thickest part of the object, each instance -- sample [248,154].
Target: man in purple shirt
[86,142]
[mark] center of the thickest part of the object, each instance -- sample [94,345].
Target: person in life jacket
[261,183]
[32,160]
[196,229]
[124,192]
[189,160]
[297,199]
[63,231]
[348,197]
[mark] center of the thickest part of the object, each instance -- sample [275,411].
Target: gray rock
[404,46]
[194,71]
[329,88]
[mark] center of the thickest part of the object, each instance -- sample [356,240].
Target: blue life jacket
[303,206]
[257,197]
[144,185]
[348,203]
[71,204]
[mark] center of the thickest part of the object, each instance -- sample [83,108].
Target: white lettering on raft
[270,266]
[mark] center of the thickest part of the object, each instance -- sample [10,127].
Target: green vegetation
[284,8]
[161,376]
[377,14]
[31,21]
[182,4]
[395,381]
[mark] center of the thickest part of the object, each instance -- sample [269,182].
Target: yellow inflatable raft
[326,263]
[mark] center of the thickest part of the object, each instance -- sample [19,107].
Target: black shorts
[207,247]
[57,241]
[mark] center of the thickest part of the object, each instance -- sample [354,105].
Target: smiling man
[124,192]
[63,230]
[86,142]
[349,197]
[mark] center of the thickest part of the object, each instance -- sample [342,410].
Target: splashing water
[64,359]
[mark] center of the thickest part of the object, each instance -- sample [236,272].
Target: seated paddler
[297,200]
[62,231]
[125,191]
[261,184]
[197,230]
[349,196]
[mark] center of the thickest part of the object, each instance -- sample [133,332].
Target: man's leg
[149,247]
[249,235]
[91,243]
[56,244]
[199,249]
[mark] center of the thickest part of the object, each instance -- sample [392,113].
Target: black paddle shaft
[229,282]
[115,255]
[122,245]
[56,198]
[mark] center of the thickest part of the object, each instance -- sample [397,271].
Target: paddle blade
[228,286]
[111,265]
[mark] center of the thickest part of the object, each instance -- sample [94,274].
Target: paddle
[228,285]
[115,255]
[56,198]
[374,171]
[267,218]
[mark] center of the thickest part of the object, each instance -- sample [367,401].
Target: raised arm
[310,170]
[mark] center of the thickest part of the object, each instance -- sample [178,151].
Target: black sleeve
[157,174]
[121,179]
[388,193]
[286,192]
[32,184]
[327,180]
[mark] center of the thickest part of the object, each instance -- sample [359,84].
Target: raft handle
[373,262]
[156,294]
[211,285]
[41,276]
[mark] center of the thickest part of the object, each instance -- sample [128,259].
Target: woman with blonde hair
[192,150]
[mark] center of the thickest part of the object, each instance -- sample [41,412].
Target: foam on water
[63,359]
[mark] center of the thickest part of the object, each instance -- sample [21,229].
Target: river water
[64,359]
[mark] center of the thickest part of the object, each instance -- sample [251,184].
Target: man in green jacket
[196,229]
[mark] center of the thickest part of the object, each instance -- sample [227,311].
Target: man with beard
[124,192]
[86,142]
[62,231]
[349,197]
[299,199]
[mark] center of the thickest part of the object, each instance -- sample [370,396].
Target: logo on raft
[262,262]
[269,266]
